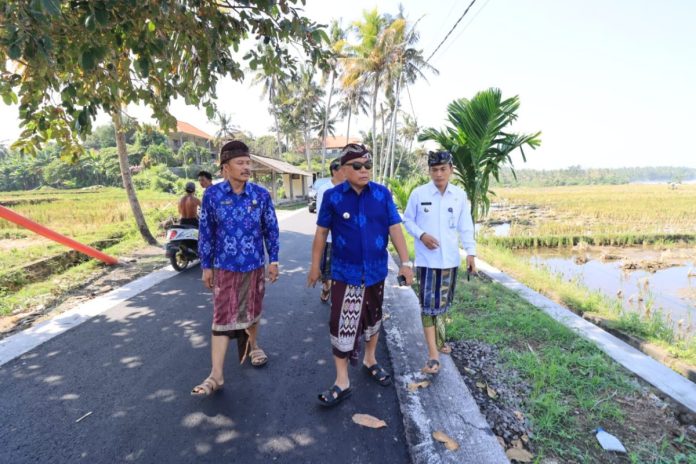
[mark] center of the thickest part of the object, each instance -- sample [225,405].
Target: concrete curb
[660,376]
[446,404]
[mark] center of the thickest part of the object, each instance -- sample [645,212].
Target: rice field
[606,215]
[84,215]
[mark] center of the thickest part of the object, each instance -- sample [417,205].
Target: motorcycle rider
[189,206]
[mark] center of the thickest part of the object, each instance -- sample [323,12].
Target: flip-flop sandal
[431,367]
[207,387]
[446,349]
[378,373]
[325,295]
[258,357]
[333,396]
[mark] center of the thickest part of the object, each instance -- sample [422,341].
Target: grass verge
[650,327]
[46,292]
[574,386]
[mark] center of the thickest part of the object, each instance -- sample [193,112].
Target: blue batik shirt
[233,228]
[359,225]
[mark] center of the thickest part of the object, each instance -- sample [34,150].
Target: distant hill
[575,175]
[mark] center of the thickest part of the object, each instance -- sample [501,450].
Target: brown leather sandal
[258,357]
[207,387]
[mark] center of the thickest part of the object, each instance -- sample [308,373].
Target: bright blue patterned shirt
[233,228]
[359,225]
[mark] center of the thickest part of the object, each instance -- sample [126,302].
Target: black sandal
[327,398]
[378,373]
[431,367]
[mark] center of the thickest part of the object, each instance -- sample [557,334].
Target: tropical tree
[337,42]
[384,60]
[401,190]
[479,138]
[354,102]
[406,65]
[368,63]
[273,84]
[63,61]
[409,131]
[303,99]
[324,126]
[226,129]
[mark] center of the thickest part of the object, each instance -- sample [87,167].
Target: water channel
[671,290]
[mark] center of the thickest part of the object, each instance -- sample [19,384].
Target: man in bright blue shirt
[237,220]
[361,216]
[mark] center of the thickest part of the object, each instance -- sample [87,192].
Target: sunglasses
[358,166]
[439,157]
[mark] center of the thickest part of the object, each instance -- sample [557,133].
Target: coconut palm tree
[323,125]
[226,130]
[354,102]
[406,65]
[480,142]
[409,131]
[368,63]
[337,42]
[303,98]
[272,85]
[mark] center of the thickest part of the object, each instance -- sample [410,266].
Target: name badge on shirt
[452,224]
[425,205]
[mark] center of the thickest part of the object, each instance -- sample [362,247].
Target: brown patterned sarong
[356,313]
[237,303]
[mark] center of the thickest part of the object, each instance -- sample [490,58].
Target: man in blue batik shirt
[361,216]
[237,220]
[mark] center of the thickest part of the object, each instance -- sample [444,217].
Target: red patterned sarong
[237,300]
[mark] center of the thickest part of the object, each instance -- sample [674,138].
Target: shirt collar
[434,189]
[345,186]
[227,187]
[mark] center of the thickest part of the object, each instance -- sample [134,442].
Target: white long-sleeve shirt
[447,217]
[321,190]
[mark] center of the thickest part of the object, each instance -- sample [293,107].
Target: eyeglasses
[439,157]
[358,166]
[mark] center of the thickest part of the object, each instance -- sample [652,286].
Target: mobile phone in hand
[402,280]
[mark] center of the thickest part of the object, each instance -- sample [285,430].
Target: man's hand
[471,264]
[313,276]
[272,272]
[208,278]
[407,272]
[429,241]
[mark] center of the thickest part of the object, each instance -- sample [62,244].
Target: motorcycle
[182,245]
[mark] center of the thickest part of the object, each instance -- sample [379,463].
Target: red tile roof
[187,128]
[339,142]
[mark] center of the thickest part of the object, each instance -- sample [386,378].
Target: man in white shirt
[438,216]
[337,177]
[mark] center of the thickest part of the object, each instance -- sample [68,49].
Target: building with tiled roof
[186,132]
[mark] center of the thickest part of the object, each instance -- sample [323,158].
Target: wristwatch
[407,263]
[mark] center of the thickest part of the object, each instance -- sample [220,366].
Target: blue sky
[609,83]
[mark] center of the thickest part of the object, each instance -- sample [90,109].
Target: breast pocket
[453,211]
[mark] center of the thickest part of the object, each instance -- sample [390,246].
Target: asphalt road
[133,366]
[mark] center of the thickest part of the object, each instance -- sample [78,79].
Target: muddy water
[672,289]
[499,229]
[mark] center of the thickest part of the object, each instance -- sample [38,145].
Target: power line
[453,28]
[466,26]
